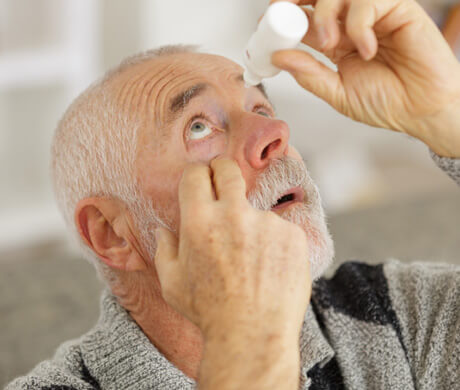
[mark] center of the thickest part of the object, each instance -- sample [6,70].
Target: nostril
[271,146]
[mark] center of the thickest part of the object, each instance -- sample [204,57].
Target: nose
[267,139]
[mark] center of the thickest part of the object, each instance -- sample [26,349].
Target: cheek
[159,183]
[165,199]
[207,149]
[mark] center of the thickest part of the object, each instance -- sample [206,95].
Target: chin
[320,243]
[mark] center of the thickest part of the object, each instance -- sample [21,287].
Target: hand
[234,267]
[394,68]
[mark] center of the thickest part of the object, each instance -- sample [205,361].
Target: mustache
[280,176]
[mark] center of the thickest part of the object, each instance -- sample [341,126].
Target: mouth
[290,197]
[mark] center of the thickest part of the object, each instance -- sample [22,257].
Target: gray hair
[94,151]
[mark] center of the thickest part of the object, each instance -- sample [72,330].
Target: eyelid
[203,117]
[266,107]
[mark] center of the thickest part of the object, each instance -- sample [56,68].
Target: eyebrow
[182,99]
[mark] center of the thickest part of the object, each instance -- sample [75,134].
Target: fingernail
[365,52]
[366,45]
[323,36]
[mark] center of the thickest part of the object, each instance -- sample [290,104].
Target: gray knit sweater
[390,326]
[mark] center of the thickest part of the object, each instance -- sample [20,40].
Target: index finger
[195,186]
[228,180]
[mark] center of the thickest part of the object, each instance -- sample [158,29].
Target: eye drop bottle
[282,27]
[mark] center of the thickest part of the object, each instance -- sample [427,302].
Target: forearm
[236,361]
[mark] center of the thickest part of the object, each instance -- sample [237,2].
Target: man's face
[194,107]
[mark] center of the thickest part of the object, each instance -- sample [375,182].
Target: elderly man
[181,185]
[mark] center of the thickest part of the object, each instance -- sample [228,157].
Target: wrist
[250,360]
[440,131]
[258,335]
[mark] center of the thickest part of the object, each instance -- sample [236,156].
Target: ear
[103,225]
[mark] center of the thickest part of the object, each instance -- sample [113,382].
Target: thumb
[167,264]
[312,75]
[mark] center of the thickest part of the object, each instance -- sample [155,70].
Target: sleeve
[66,371]
[449,165]
[48,376]
[426,300]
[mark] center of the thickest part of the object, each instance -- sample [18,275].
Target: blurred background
[375,183]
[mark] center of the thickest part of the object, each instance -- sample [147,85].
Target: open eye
[199,130]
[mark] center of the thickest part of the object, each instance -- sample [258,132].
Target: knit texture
[449,165]
[390,326]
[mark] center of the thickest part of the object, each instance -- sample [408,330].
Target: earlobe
[101,225]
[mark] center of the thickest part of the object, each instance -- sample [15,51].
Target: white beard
[282,175]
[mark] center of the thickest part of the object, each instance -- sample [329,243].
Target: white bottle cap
[287,19]
[282,27]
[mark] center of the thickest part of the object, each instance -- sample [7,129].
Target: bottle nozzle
[251,79]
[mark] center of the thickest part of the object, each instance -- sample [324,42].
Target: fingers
[338,23]
[325,20]
[337,51]
[195,187]
[359,26]
[228,180]
[313,76]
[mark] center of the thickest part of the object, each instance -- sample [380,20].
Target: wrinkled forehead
[199,63]
[152,82]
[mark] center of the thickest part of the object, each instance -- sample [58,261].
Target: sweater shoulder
[65,371]
[358,290]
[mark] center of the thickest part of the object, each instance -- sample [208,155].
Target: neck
[178,339]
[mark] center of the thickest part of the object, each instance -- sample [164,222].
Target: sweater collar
[120,356]
[314,347]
